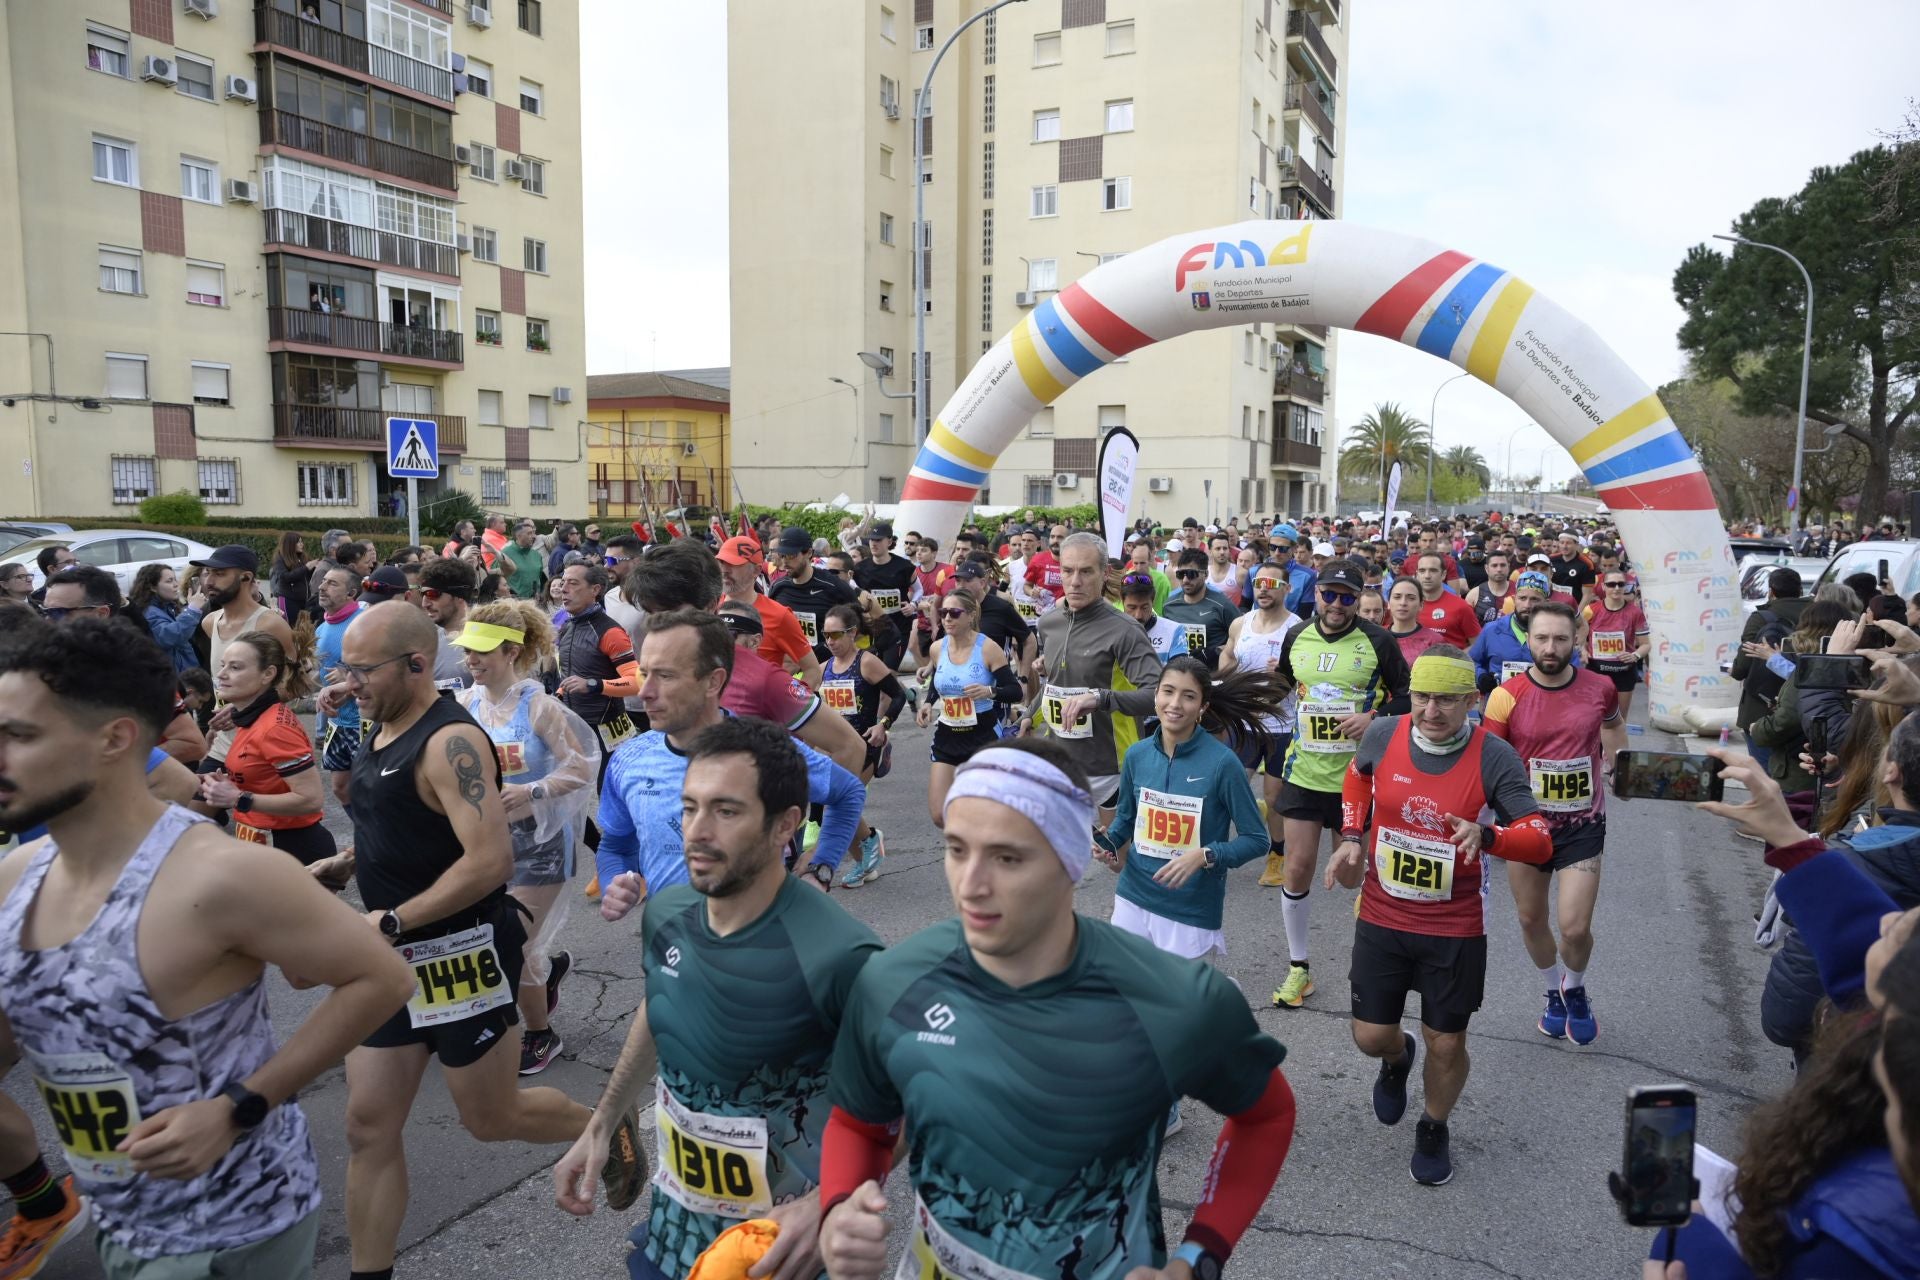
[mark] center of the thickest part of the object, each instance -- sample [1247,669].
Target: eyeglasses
[834,633]
[359,675]
[1338,597]
[445,593]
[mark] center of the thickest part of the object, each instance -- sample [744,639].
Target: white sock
[1576,978]
[1293,914]
[1551,976]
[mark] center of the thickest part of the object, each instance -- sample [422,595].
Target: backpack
[1774,631]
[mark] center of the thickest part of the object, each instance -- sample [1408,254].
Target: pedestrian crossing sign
[413,448]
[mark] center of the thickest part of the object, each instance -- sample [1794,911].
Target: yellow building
[236,237]
[658,442]
[1060,134]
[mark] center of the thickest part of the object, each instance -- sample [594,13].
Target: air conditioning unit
[463,243]
[1279,350]
[240,191]
[563,395]
[479,16]
[689,448]
[1159,484]
[1066,480]
[1023,299]
[1283,155]
[891,109]
[204,8]
[463,155]
[159,70]
[242,89]
[515,170]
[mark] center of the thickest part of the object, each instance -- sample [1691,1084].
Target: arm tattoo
[466,771]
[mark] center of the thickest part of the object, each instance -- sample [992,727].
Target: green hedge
[826,524]
[359,527]
[265,542]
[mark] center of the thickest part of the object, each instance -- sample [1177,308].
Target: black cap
[230,557]
[1342,573]
[879,529]
[795,541]
[970,569]
[387,580]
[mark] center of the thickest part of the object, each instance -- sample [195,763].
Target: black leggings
[309,844]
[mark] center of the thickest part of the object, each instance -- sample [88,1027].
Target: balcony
[1292,453]
[398,342]
[284,30]
[1301,385]
[289,130]
[1301,26]
[1310,184]
[325,426]
[1306,100]
[306,231]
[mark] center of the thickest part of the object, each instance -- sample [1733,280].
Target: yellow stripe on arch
[1033,370]
[943,439]
[1496,331]
[1635,417]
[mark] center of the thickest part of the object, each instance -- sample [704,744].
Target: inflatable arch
[1480,317]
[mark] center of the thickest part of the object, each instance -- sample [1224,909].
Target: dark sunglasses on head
[1328,596]
[1137,580]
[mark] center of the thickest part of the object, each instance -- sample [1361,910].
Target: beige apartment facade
[243,236]
[1061,134]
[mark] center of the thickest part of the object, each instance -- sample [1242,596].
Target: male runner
[445,590]
[1440,608]
[133,941]
[1300,577]
[232,611]
[1500,651]
[1618,637]
[1494,596]
[1169,639]
[598,669]
[888,578]
[1565,726]
[1204,615]
[931,575]
[338,731]
[1043,564]
[1344,670]
[1223,575]
[1413,795]
[1000,621]
[742,1097]
[807,593]
[432,856]
[1572,573]
[782,640]
[1254,644]
[975,1034]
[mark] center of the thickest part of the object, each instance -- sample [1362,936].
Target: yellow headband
[1433,673]
[485,637]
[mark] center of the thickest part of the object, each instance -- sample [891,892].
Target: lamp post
[920,379]
[1806,364]
[1510,438]
[1431,443]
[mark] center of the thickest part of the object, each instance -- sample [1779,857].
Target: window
[126,377]
[1046,125]
[1042,274]
[486,329]
[926,168]
[886,23]
[1119,38]
[1120,116]
[539,336]
[1039,491]
[326,484]
[886,295]
[1112,417]
[323,193]
[886,162]
[986,171]
[134,479]
[206,284]
[923,37]
[890,95]
[408,32]
[211,383]
[219,481]
[1116,193]
[986,237]
[530,20]
[886,358]
[534,255]
[486,244]
[119,270]
[541,490]
[1246,422]
[889,489]
[886,228]
[115,161]
[493,485]
[199,180]
[986,301]
[480,161]
[990,39]
[1105,258]
[533,98]
[1260,425]
[479,78]
[886,428]
[537,412]
[534,181]
[1046,201]
[106,50]
[1247,344]
[1046,49]
[409,214]
[489,408]
[987,96]
[196,77]
[1041,424]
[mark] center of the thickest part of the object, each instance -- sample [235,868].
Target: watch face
[1208,1268]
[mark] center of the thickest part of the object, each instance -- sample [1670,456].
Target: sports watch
[1203,1264]
[243,803]
[823,873]
[390,926]
[249,1108]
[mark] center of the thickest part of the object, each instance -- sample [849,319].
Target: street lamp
[920,379]
[1510,438]
[1806,363]
[881,367]
[1431,443]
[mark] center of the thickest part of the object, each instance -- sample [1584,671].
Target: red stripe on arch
[919,489]
[1688,491]
[1104,327]
[1390,315]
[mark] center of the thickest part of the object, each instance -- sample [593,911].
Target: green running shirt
[1018,1170]
[1357,670]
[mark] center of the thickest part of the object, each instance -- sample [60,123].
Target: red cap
[741,551]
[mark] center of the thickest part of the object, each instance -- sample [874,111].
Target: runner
[1572,573]
[338,731]
[1344,671]
[598,669]
[1223,575]
[1042,573]
[549,761]
[268,783]
[1440,608]
[133,943]
[233,609]
[1254,644]
[1204,615]
[1494,596]
[925,1043]
[855,681]
[446,591]
[1000,619]
[1168,638]
[1618,637]
[932,578]
[784,643]
[888,578]
[433,853]
[1406,623]
[745,1101]
[1565,726]
[1373,605]
[808,593]
[1300,577]
[968,681]
[1413,795]
[1500,652]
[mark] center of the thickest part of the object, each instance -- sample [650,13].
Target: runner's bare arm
[172,782]
[1613,740]
[457,776]
[832,735]
[1227,660]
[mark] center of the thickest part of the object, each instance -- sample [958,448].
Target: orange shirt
[780,633]
[264,754]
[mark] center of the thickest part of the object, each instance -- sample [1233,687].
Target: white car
[121,552]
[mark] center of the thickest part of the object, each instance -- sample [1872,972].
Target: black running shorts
[1322,807]
[1449,973]
[465,1042]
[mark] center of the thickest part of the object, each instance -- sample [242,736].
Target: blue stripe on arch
[1449,319]
[946,468]
[1067,349]
[1663,450]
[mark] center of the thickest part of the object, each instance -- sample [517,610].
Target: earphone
[413,665]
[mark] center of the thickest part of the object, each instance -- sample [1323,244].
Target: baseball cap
[1286,531]
[740,550]
[1397,556]
[970,569]
[1323,548]
[879,529]
[1341,573]
[1539,557]
[387,581]
[232,557]
[795,541]
[485,637]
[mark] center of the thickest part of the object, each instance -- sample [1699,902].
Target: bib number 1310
[703,1168]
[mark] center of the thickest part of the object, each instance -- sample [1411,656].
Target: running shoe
[1581,1027]
[1276,873]
[1432,1154]
[593,889]
[884,765]
[538,1049]
[809,837]
[28,1243]
[1553,1023]
[625,1172]
[1295,990]
[558,967]
[866,866]
[1390,1088]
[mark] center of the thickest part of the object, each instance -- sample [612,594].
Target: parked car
[120,552]
[1773,548]
[1754,570]
[40,528]
[1897,563]
[12,535]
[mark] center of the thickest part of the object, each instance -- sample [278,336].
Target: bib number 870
[703,1168]
[1414,871]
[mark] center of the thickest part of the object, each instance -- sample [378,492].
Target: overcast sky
[1582,146]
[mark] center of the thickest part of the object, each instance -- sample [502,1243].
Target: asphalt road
[1676,983]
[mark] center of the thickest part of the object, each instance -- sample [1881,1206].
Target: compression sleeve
[1006,685]
[1356,799]
[841,796]
[1246,1161]
[852,1152]
[618,648]
[896,697]
[1528,840]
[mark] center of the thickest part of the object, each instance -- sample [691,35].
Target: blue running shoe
[1432,1164]
[1390,1089]
[866,865]
[1553,1023]
[1581,1027]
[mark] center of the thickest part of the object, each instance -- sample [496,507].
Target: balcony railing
[446,6]
[284,30]
[371,337]
[1301,385]
[1292,453]
[1302,26]
[335,143]
[306,231]
[1316,188]
[1301,98]
[410,73]
[328,426]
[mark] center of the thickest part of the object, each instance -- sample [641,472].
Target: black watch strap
[249,1108]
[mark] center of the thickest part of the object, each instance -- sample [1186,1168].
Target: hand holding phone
[1666,775]
[1655,1186]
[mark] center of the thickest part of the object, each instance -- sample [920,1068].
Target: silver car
[121,552]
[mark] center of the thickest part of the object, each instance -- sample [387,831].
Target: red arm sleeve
[618,646]
[1246,1161]
[1356,800]
[1528,840]
[853,1151]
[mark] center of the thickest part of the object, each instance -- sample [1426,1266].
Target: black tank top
[400,845]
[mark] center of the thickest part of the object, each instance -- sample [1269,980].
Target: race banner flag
[1119,460]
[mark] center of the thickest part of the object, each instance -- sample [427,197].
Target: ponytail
[1238,703]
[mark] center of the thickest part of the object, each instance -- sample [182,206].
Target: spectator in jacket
[1781,731]
[1772,622]
[172,622]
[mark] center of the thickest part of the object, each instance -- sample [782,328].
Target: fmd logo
[1711,583]
[1674,558]
[1675,648]
[1714,615]
[1240,254]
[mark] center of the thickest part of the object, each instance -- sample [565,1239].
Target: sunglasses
[443,593]
[1338,597]
[1617,582]
[1266,584]
[1137,580]
[831,632]
[374,584]
[953,613]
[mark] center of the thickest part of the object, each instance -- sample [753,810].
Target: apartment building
[1058,135]
[658,442]
[241,236]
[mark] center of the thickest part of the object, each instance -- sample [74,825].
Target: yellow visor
[485,637]
[1433,673]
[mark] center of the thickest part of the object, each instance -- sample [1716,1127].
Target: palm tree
[1464,460]
[1387,433]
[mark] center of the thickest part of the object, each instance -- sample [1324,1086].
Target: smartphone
[1657,1168]
[1666,775]
[1833,671]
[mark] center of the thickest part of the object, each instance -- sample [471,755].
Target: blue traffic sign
[413,448]
[1793,499]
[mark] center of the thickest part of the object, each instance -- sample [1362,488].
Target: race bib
[1320,727]
[809,627]
[935,1254]
[887,600]
[617,730]
[1195,635]
[958,713]
[513,758]
[94,1108]
[1563,786]
[711,1164]
[250,835]
[454,977]
[1052,704]
[1412,867]
[1508,670]
[839,695]
[1167,825]
[1609,644]
[1027,609]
